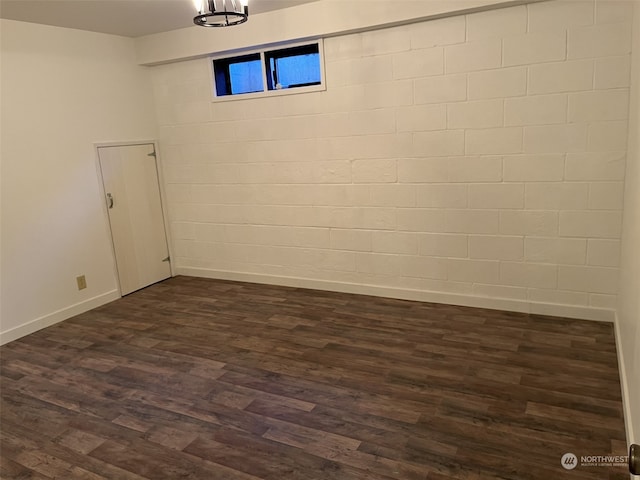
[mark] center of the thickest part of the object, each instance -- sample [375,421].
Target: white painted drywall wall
[62,90]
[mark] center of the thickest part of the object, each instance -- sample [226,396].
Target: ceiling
[130,18]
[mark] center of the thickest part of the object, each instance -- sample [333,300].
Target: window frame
[266,92]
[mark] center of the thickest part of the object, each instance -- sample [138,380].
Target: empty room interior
[328,239]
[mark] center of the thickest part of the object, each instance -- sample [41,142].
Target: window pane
[245,77]
[293,67]
[238,75]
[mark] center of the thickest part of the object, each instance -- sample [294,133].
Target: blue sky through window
[297,70]
[246,77]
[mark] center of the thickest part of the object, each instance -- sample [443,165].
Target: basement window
[292,69]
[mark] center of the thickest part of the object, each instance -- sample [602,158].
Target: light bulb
[199,4]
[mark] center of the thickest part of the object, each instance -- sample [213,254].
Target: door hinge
[152,154]
[166,259]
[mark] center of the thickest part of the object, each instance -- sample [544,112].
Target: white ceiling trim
[319,19]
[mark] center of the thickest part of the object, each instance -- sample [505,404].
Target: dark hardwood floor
[203,379]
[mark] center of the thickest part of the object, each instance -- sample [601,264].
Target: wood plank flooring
[204,379]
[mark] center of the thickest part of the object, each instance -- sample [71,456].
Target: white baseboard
[55,317]
[624,385]
[569,311]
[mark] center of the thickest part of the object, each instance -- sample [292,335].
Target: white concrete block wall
[481,156]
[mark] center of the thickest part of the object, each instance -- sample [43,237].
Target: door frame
[105,213]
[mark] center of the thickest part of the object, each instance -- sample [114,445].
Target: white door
[132,192]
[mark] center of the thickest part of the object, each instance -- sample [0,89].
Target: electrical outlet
[82,282]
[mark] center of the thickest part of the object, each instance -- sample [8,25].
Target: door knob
[110,200]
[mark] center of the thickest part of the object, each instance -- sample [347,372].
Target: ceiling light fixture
[221,13]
